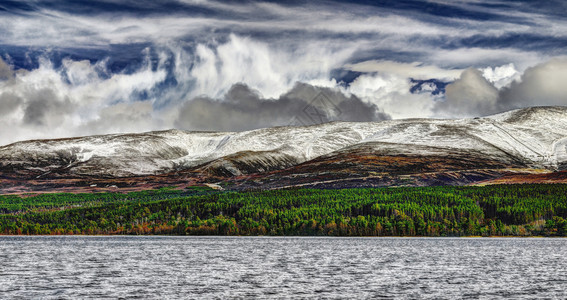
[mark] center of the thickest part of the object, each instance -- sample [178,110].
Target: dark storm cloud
[244,109]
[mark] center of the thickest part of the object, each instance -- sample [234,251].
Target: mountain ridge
[525,139]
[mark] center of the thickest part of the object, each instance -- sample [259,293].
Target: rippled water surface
[240,267]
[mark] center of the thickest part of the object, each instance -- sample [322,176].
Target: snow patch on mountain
[537,136]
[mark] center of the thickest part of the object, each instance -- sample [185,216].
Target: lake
[74,267]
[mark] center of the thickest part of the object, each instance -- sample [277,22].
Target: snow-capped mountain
[531,138]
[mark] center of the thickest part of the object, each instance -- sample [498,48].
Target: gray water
[263,267]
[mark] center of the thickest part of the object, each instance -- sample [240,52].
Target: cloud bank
[244,109]
[220,87]
[80,98]
[69,69]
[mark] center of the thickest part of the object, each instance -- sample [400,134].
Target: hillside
[338,154]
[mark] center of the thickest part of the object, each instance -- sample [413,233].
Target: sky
[76,68]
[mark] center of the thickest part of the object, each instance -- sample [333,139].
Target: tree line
[500,210]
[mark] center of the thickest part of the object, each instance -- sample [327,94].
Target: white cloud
[391,93]
[50,102]
[501,76]
[474,95]
[263,68]
[81,97]
[482,57]
[346,26]
[414,70]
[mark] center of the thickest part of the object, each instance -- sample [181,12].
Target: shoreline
[281,236]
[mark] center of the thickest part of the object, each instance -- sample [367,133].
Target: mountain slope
[531,138]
